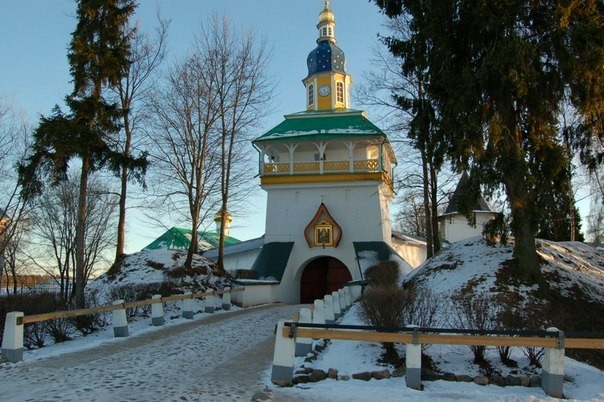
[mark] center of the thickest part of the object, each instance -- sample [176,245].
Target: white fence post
[318,312]
[12,340]
[330,317]
[552,376]
[210,303]
[348,296]
[283,358]
[187,306]
[343,305]
[119,321]
[226,299]
[304,345]
[413,375]
[157,312]
[337,311]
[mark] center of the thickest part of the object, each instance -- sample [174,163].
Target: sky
[35,35]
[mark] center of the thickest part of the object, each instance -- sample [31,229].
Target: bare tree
[402,95]
[147,54]
[186,111]
[54,229]
[237,67]
[14,142]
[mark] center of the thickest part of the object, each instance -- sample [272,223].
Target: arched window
[324,31]
[340,92]
[311,94]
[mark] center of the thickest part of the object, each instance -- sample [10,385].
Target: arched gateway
[322,276]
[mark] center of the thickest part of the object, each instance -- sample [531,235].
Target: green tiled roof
[272,260]
[180,239]
[323,125]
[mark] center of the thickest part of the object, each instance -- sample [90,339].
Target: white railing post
[348,296]
[157,312]
[119,321]
[337,311]
[330,316]
[187,306]
[304,345]
[226,299]
[283,358]
[318,312]
[413,375]
[12,340]
[552,376]
[210,303]
[343,305]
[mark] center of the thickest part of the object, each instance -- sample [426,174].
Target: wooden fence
[294,338]
[12,341]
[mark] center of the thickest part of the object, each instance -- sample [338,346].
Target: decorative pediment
[323,230]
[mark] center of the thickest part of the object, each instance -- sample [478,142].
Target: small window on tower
[311,94]
[324,32]
[340,92]
[329,31]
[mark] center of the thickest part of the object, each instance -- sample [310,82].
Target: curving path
[218,358]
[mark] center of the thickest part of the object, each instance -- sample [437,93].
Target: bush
[384,274]
[382,306]
[60,330]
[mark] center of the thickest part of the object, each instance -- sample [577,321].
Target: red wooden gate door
[322,276]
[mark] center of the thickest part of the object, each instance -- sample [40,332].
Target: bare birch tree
[185,111]
[238,69]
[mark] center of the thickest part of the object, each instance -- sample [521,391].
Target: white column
[119,321]
[304,345]
[330,317]
[413,376]
[12,340]
[187,306]
[348,296]
[157,312]
[283,357]
[226,299]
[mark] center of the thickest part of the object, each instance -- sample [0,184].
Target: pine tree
[498,73]
[98,52]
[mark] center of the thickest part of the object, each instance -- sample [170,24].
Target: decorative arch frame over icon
[323,230]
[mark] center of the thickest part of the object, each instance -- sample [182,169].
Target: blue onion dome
[326,57]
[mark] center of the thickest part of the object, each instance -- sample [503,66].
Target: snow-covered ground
[221,361]
[227,356]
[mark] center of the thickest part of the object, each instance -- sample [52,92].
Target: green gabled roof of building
[180,239]
[332,124]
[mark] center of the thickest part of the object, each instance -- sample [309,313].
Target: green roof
[272,260]
[323,125]
[180,239]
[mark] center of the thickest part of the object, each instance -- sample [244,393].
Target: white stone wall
[360,208]
[456,226]
[414,254]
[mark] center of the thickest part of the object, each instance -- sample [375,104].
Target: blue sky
[35,34]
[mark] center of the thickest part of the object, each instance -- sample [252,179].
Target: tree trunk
[434,205]
[121,224]
[80,236]
[427,210]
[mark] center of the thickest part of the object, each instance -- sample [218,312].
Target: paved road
[219,358]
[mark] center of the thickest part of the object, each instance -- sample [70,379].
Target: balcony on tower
[339,145]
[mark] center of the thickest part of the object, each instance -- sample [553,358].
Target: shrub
[473,312]
[384,274]
[60,330]
[382,306]
[34,335]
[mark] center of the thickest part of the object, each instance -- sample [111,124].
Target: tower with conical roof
[328,174]
[327,84]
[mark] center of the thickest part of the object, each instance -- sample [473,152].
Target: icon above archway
[323,230]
